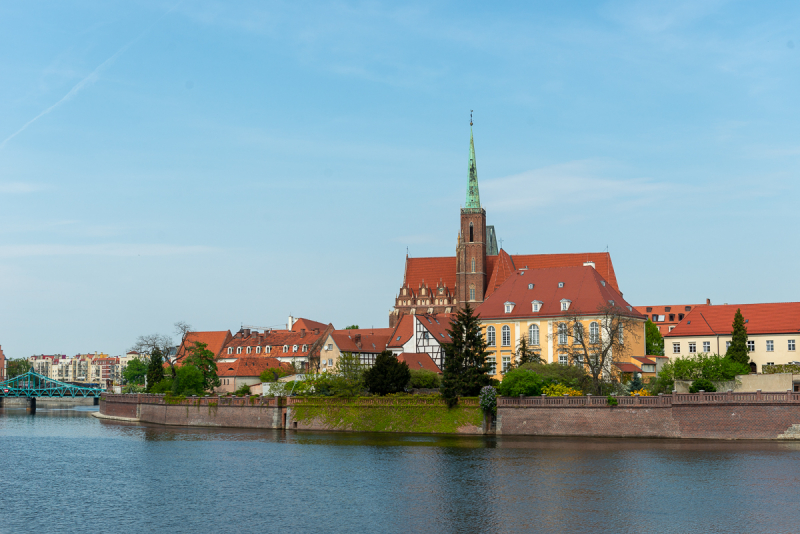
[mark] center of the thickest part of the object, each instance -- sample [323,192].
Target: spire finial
[473,197]
[470,117]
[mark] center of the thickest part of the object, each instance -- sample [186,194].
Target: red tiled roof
[645,361]
[437,325]
[402,331]
[627,367]
[347,341]
[767,318]
[276,340]
[308,324]
[249,366]
[583,287]
[215,341]
[432,270]
[418,360]
[503,268]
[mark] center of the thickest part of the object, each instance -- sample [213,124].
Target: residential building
[3,366]
[535,303]
[237,372]
[445,284]
[666,317]
[215,341]
[367,343]
[424,333]
[105,370]
[773,331]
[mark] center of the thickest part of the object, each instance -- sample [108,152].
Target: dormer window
[267,349]
[305,348]
[286,348]
[530,286]
[294,348]
[536,305]
[611,302]
[238,350]
[509,307]
[249,349]
[603,283]
[230,350]
[561,284]
[258,350]
[565,304]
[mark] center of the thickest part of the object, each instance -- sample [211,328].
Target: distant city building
[3,366]
[773,331]
[446,284]
[667,317]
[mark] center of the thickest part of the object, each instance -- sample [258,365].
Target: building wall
[779,355]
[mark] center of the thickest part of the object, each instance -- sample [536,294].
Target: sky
[232,163]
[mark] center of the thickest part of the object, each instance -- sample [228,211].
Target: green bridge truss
[32,384]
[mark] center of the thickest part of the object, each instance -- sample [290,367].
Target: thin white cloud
[88,80]
[108,249]
[19,187]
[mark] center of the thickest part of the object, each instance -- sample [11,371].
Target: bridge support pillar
[31,405]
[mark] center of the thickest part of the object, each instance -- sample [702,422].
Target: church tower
[471,247]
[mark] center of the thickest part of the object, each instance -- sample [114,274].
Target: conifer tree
[465,367]
[738,350]
[526,353]
[388,375]
[155,369]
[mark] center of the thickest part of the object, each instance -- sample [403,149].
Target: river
[65,471]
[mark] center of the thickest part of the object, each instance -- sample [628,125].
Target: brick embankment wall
[119,408]
[749,421]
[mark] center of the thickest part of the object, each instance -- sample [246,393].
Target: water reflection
[99,475]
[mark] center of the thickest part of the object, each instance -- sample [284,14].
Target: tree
[521,382]
[272,374]
[571,376]
[202,358]
[148,344]
[351,327]
[189,380]
[653,340]
[465,368]
[17,366]
[738,350]
[387,375]
[612,334]
[135,372]
[526,353]
[702,384]
[155,369]
[424,379]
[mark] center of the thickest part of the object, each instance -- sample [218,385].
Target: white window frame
[258,349]
[491,360]
[509,307]
[490,336]
[506,336]
[238,350]
[294,348]
[230,350]
[562,333]
[770,345]
[533,334]
[506,363]
[594,333]
[305,348]
[562,359]
[676,347]
[751,345]
[267,349]
[692,347]
[536,305]
[706,346]
[791,344]
[565,304]
[249,349]
[286,348]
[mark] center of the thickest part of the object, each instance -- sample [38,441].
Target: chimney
[357,339]
[589,264]
[302,332]
[708,302]
[316,331]
[290,323]
[246,333]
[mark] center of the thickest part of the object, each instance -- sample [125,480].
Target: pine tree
[155,369]
[738,350]
[465,368]
[388,375]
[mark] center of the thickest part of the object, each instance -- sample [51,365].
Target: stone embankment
[693,416]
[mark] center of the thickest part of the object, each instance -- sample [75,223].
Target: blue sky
[224,163]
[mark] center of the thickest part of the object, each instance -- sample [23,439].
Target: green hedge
[775,369]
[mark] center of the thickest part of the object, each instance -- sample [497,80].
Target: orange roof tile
[249,366]
[503,268]
[419,360]
[347,341]
[215,341]
[402,331]
[766,318]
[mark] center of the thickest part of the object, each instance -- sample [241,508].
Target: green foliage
[188,380]
[349,367]
[423,379]
[135,372]
[387,375]
[165,386]
[243,390]
[155,370]
[328,385]
[526,354]
[351,327]
[612,401]
[573,376]
[132,388]
[654,341]
[738,349]
[17,366]
[202,358]
[707,366]
[488,399]
[521,382]
[702,384]
[636,383]
[465,368]
[775,369]
[272,374]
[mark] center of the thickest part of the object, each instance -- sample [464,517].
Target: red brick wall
[118,409]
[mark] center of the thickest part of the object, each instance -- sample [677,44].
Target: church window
[470,233]
[490,336]
[594,333]
[471,292]
[473,265]
[506,336]
[533,334]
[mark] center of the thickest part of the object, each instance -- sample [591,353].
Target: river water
[65,471]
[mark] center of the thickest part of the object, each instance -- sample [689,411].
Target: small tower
[471,248]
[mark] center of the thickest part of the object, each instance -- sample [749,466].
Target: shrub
[559,390]
[706,366]
[573,376]
[388,375]
[133,388]
[165,386]
[272,374]
[641,392]
[422,379]
[488,399]
[521,382]
[189,380]
[243,390]
[612,401]
[703,384]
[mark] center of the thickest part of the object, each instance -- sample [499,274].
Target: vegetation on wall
[521,382]
[775,369]
[702,384]
[702,366]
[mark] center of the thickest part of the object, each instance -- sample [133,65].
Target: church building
[447,283]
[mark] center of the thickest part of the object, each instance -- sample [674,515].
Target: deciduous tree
[653,340]
[202,358]
[17,366]
[135,372]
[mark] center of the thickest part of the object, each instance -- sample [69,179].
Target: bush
[703,384]
[243,390]
[188,381]
[133,388]
[559,390]
[521,382]
[706,366]
[612,401]
[488,399]
[165,386]
[387,375]
[272,374]
[573,376]
[422,379]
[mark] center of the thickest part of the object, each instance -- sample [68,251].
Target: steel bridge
[32,384]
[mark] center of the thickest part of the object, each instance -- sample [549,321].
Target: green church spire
[473,195]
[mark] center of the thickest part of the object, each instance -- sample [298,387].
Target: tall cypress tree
[155,369]
[738,349]
[465,368]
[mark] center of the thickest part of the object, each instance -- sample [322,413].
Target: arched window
[533,334]
[594,333]
[472,292]
[490,336]
[621,335]
[562,334]
[286,348]
[577,332]
[470,233]
[305,348]
[506,336]
[258,350]
[249,349]
[473,265]
[267,349]
[238,350]
[294,348]
[230,350]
